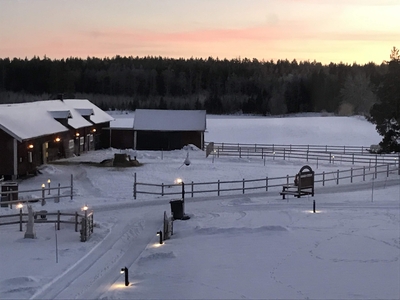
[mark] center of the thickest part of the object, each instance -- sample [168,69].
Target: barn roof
[87,108]
[24,121]
[34,119]
[169,120]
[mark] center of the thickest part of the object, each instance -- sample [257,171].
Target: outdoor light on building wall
[57,139]
[94,130]
[30,146]
[77,134]
[125,271]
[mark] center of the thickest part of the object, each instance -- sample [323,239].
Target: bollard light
[43,200]
[159,233]
[48,184]
[125,271]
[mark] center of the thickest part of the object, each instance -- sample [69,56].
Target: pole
[43,200]
[55,232]
[314,206]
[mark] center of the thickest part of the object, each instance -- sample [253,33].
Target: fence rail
[355,155]
[262,184]
[8,197]
[42,217]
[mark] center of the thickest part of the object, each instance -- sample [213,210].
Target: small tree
[386,113]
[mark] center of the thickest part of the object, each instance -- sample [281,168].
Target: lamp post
[43,200]
[125,271]
[20,206]
[48,185]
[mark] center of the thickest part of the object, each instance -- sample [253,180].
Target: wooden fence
[261,184]
[329,154]
[42,217]
[44,192]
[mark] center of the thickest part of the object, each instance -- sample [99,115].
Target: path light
[159,233]
[85,209]
[43,200]
[180,181]
[48,184]
[125,270]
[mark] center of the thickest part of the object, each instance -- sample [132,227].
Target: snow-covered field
[253,246]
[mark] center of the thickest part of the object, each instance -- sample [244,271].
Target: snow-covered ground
[252,246]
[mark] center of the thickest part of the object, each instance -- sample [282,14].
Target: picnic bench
[303,185]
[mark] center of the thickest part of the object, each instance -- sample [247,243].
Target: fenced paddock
[354,155]
[220,187]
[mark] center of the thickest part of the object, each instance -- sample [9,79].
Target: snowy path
[94,273]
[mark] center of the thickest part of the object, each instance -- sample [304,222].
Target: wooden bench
[304,184]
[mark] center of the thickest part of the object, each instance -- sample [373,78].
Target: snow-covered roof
[85,111]
[25,121]
[83,105]
[122,123]
[60,114]
[76,122]
[170,120]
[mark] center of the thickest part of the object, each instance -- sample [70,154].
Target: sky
[327,31]
[236,246]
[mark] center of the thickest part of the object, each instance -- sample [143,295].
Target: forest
[241,85]
[236,86]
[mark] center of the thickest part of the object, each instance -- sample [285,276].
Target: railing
[41,217]
[14,196]
[262,184]
[331,154]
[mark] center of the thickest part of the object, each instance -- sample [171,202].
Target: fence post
[20,219]
[323,178]
[376,159]
[262,154]
[240,152]
[351,175]
[376,171]
[330,157]
[352,160]
[57,198]
[192,189]
[162,189]
[398,160]
[337,177]
[284,153]
[58,219]
[218,152]
[287,179]
[364,173]
[307,155]
[266,184]
[218,186]
[72,186]
[387,173]
[76,221]
[134,185]
[243,185]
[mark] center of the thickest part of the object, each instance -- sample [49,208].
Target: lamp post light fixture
[43,199]
[159,233]
[48,184]
[125,271]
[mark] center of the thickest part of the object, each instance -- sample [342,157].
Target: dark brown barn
[32,134]
[168,129]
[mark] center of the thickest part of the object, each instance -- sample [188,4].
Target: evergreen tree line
[218,86]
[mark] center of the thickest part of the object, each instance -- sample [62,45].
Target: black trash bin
[177,209]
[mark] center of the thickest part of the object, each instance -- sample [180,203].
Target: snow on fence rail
[332,154]
[263,184]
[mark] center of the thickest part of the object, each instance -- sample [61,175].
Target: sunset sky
[327,31]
